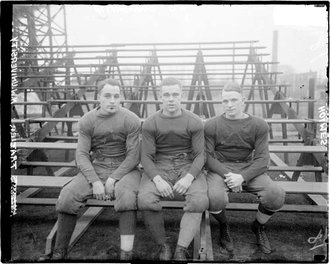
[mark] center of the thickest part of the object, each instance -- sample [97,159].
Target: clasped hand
[104,192]
[180,186]
[234,181]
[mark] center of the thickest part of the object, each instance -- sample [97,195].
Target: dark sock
[65,226]
[127,222]
[221,217]
[154,222]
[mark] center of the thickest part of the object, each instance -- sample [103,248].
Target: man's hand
[163,187]
[237,189]
[98,190]
[110,188]
[182,185]
[234,181]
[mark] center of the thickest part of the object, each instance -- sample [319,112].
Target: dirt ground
[288,233]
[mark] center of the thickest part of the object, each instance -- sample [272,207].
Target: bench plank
[292,208]
[72,164]
[304,187]
[45,145]
[297,149]
[49,163]
[42,181]
[76,119]
[272,140]
[231,206]
[62,171]
[272,148]
[57,182]
[296,168]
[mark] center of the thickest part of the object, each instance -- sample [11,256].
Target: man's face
[233,103]
[171,96]
[109,99]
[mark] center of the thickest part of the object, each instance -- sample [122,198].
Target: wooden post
[311,95]
[275,51]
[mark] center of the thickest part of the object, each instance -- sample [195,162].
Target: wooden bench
[202,241]
[73,146]
[272,149]
[63,101]
[75,138]
[271,168]
[57,182]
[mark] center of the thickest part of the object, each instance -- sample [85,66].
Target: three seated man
[173,157]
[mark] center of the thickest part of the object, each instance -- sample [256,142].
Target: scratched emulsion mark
[324,117]
[320,242]
[13,150]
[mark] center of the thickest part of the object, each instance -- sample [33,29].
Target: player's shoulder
[131,116]
[212,121]
[192,116]
[151,119]
[259,122]
[88,117]
[87,121]
[153,116]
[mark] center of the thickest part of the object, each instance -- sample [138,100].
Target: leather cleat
[164,252]
[44,258]
[262,239]
[180,253]
[126,255]
[59,254]
[226,241]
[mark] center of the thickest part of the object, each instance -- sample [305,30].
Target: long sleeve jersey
[171,136]
[237,140]
[112,135]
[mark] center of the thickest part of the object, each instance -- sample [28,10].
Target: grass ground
[288,233]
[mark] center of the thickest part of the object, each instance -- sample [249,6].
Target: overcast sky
[302,28]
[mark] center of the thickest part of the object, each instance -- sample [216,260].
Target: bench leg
[203,241]
[28,192]
[81,227]
[197,245]
[208,235]
[83,223]
[203,245]
[49,240]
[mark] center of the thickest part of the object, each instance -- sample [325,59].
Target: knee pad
[147,201]
[273,197]
[126,200]
[218,201]
[196,204]
[67,204]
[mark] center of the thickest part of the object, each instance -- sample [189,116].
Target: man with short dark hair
[172,158]
[238,157]
[111,133]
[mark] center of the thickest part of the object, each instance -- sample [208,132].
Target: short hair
[170,81]
[232,87]
[109,81]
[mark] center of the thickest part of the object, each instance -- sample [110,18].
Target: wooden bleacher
[202,241]
[63,102]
